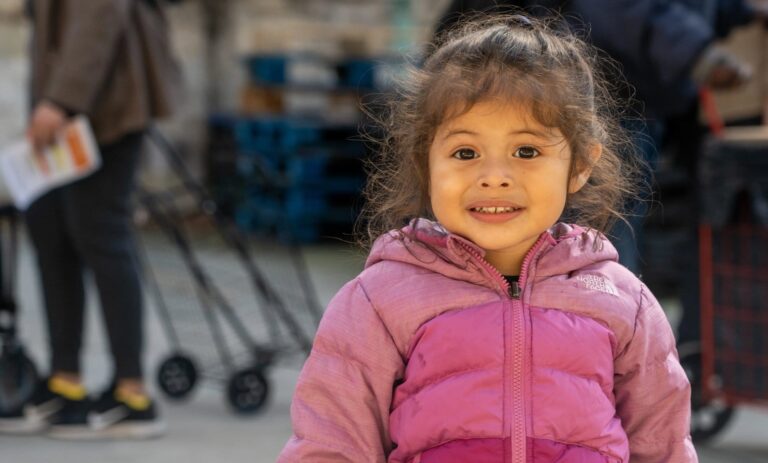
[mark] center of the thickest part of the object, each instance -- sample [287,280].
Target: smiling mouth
[494,210]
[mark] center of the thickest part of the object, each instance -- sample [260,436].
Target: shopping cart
[730,367]
[240,360]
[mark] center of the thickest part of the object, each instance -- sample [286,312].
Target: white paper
[27,177]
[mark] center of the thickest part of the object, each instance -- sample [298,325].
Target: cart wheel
[18,379]
[248,390]
[708,418]
[177,376]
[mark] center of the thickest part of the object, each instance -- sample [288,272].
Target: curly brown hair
[513,58]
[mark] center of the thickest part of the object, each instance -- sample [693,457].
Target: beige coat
[108,59]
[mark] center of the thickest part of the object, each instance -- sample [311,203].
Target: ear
[580,179]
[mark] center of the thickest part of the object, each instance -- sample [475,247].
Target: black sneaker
[110,418]
[37,415]
[71,419]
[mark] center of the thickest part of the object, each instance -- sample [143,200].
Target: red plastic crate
[734,271]
[733,252]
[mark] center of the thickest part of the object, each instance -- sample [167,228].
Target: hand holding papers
[28,175]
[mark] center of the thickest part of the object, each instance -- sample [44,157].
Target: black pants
[87,226]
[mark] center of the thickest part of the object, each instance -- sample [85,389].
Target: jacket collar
[563,249]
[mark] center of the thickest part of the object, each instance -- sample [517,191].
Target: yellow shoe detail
[67,389]
[136,401]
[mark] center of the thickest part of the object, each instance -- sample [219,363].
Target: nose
[495,175]
[485,183]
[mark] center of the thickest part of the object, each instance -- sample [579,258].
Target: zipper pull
[514,290]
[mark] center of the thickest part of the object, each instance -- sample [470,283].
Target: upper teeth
[493,210]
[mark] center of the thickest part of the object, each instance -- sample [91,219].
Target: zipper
[515,365]
[514,290]
[518,442]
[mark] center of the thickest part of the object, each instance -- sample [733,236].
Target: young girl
[484,331]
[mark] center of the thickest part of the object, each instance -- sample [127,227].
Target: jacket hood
[560,250]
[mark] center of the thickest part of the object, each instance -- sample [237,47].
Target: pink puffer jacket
[429,356]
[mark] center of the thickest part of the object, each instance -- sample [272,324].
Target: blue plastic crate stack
[298,156]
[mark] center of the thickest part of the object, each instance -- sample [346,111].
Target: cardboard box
[751,45]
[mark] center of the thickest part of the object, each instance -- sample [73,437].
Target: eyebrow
[533,132]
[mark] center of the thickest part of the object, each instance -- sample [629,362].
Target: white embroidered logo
[597,283]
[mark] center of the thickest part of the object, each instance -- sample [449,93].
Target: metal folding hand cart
[223,334]
[731,366]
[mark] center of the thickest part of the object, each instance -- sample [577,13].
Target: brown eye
[526,152]
[465,154]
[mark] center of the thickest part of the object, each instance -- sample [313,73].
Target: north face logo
[597,283]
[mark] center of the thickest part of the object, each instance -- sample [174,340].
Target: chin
[496,245]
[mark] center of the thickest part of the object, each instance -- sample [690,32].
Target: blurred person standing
[111,61]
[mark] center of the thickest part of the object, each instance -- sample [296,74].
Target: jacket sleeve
[340,409]
[652,391]
[91,34]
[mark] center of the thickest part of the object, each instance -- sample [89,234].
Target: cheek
[443,196]
[445,184]
[433,188]
[555,193]
[439,179]
[431,174]
[437,194]
[430,180]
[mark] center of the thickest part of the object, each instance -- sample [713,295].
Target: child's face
[499,178]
